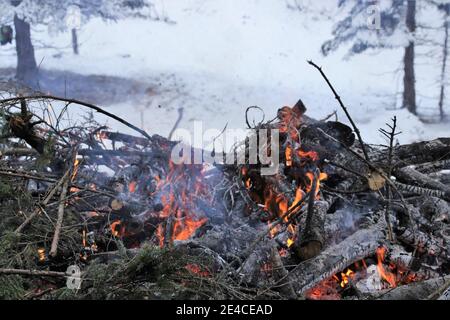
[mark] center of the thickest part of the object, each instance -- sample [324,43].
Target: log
[414,291]
[422,191]
[281,275]
[425,243]
[311,238]
[412,176]
[18,152]
[420,152]
[332,260]
[429,167]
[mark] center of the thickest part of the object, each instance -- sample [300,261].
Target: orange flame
[132,186]
[181,188]
[115,230]
[41,254]
[288,154]
[386,275]
[196,269]
[76,165]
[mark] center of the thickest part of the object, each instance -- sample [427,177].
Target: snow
[222,56]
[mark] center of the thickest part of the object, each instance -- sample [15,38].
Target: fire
[179,190]
[116,229]
[386,275]
[288,155]
[84,238]
[76,165]
[326,290]
[275,201]
[184,230]
[132,186]
[74,189]
[349,274]
[393,275]
[41,254]
[196,269]
[312,155]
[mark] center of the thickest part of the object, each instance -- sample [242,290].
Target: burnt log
[311,238]
[413,291]
[412,176]
[422,191]
[425,243]
[434,166]
[420,152]
[332,260]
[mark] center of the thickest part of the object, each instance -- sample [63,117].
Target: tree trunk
[444,63]
[409,80]
[27,71]
[75,41]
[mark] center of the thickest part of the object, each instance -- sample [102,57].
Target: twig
[175,126]
[75,101]
[59,221]
[290,214]
[338,98]
[26,175]
[44,203]
[391,136]
[33,272]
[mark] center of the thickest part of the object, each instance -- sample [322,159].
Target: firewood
[429,167]
[425,243]
[413,291]
[311,238]
[422,191]
[281,274]
[359,245]
[420,152]
[411,176]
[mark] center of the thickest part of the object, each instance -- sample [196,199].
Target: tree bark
[444,62]
[27,70]
[75,41]
[409,80]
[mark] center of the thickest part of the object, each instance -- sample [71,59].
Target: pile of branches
[110,215]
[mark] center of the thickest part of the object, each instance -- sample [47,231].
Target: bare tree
[445,8]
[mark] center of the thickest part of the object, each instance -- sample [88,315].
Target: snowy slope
[222,56]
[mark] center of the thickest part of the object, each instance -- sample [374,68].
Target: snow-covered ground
[222,56]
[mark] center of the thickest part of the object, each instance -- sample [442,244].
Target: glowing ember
[76,165]
[116,228]
[346,277]
[41,254]
[196,269]
[132,186]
